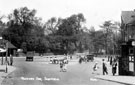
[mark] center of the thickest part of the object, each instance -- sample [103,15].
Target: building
[127,59]
[128,29]
[11,48]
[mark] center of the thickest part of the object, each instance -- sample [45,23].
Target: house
[127,58]
[127,26]
[6,44]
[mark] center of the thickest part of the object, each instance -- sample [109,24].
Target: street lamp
[6,55]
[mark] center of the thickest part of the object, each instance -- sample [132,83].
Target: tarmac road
[40,72]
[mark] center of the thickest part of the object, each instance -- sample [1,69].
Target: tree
[70,28]
[107,33]
[51,26]
[2,24]
[24,27]
[116,36]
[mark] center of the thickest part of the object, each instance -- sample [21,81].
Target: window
[131,51]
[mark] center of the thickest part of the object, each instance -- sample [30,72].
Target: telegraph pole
[6,56]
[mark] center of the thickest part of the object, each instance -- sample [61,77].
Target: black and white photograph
[67,42]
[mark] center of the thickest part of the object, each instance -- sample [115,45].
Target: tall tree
[2,24]
[24,29]
[51,26]
[107,31]
[70,29]
[116,36]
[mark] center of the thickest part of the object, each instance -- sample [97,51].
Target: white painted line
[93,79]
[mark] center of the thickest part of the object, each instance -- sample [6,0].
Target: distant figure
[85,59]
[104,67]
[111,61]
[80,60]
[65,65]
[61,66]
[70,57]
[11,60]
[95,68]
[114,66]
[51,60]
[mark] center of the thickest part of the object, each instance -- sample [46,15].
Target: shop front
[127,59]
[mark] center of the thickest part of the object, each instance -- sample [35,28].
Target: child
[95,68]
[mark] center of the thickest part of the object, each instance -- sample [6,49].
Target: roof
[128,16]
[10,45]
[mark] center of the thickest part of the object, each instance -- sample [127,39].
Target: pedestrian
[114,67]
[11,60]
[111,60]
[104,67]
[61,66]
[80,60]
[95,68]
[65,65]
[70,57]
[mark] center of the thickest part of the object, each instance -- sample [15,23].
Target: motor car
[90,57]
[57,59]
[30,56]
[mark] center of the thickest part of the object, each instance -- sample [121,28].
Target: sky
[95,11]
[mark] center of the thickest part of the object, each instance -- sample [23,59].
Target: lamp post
[6,56]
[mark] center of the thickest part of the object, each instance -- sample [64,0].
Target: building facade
[127,59]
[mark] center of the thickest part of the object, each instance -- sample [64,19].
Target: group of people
[63,65]
[104,66]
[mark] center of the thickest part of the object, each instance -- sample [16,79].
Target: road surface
[41,72]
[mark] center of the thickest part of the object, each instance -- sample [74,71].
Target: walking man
[111,60]
[114,67]
[104,68]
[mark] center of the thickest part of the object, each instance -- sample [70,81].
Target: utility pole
[6,56]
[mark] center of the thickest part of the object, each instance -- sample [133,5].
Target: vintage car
[57,60]
[29,56]
[90,57]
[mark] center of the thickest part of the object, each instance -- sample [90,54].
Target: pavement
[3,73]
[128,80]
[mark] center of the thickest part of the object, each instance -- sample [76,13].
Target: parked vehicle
[90,57]
[29,56]
[57,60]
